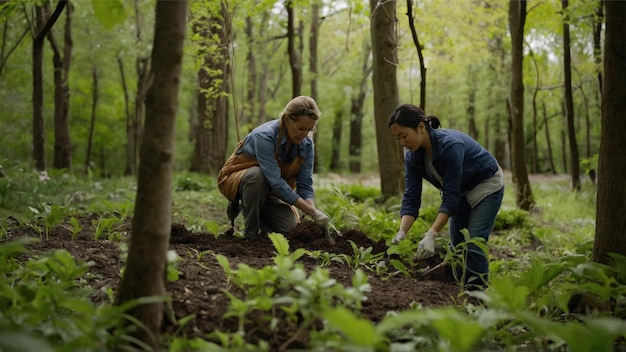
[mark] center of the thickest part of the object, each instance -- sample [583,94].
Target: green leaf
[359,331]
[109,13]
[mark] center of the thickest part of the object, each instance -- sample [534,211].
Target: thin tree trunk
[144,275]
[92,123]
[420,55]
[294,57]
[249,106]
[61,63]
[313,39]
[356,112]
[548,141]
[129,145]
[386,97]
[335,158]
[569,102]
[517,20]
[43,27]
[135,130]
[610,210]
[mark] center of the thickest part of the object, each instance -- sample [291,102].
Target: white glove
[399,237]
[320,217]
[426,247]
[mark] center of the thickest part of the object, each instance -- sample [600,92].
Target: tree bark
[92,124]
[356,113]
[335,155]
[386,97]
[61,63]
[130,150]
[313,39]
[211,132]
[249,107]
[517,20]
[610,210]
[43,27]
[420,55]
[292,51]
[145,271]
[569,102]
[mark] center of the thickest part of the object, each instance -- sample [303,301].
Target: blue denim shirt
[261,144]
[458,158]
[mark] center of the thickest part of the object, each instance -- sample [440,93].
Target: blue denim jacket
[459,160]
[261,144]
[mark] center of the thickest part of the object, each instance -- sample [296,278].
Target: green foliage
[109,13]
[511,218]
[193,182]
[45,304]
[285,286]
[550,296]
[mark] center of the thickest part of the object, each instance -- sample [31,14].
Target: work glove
[399,237]
[426,247]
[320,217]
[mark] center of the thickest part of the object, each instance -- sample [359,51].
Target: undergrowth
[544,294]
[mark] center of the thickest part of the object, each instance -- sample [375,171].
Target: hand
[320,217]
[399,237]
[426,247]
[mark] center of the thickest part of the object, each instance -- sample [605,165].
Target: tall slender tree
[144,275]
[517,20]
[61,62]
[610,219]
[574,157]
[295,59]
[43,25]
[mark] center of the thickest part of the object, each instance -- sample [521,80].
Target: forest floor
[199,288]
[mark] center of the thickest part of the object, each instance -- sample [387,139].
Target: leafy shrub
[510,219]
[191,182]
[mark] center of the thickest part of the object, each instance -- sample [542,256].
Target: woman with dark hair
[270,174]
[469,178]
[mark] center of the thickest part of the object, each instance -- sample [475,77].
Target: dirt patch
[200,287]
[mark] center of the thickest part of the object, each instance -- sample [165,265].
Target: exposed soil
[199,289]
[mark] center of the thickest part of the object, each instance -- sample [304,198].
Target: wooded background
[245,59]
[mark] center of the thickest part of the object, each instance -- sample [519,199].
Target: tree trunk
[61,63]
[129,146]
[251,83]
[313,39]
[92,124]
[569,102]
[420,55]
[135,129]
[517,20]
[610,219]
[211,132]
[356,112]
[386,97]
[145,271]
[548,141]
[43,28]
[292,51]
[335,157]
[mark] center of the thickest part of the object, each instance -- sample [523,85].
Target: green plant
[108,226]
[49,217]
[44,304]
[75,228]
[285,286]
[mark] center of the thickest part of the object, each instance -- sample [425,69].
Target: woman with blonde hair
[269,176]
